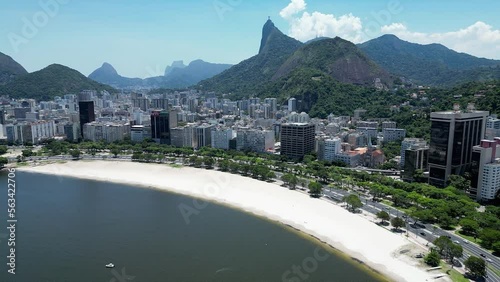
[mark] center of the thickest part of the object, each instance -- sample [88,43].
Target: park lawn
[454,275]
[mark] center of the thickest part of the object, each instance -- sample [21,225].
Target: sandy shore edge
[352,235]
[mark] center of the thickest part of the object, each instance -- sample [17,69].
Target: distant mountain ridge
[177,75]
[432,64]
[175,65]
[54,80]
[9,69]
[279,56]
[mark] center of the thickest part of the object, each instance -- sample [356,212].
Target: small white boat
[110,265]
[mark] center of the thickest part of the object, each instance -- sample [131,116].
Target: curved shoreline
[350,234]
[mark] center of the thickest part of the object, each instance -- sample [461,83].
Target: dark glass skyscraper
[160,127]
[87,113]
[453,135]
[297,139]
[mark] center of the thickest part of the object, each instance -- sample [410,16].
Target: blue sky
[140,38]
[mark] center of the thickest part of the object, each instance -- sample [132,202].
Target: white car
[466,242]
[488,260]
[456,242]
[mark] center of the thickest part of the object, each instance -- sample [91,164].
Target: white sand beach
[349,233]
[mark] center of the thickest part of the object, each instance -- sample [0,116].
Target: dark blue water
[69,229]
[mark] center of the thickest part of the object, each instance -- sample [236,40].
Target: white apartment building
[105,131]
[221,138]
[490,181]
[332,147]
[253,140]
[182,136]
[32,132]
[393,134]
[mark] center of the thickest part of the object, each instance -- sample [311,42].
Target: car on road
[466,242]
[456,242]
[422,233]
[483,255]
[489,260]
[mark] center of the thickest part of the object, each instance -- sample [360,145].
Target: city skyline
[140,40]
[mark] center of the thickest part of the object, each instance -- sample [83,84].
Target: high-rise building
[453,135]
[492,127]
[415,158]
[221,138]
[160,127]
[87,113]
[292,105]
[485,170]
[158,103]
[30,132]
[260,141]
[2,117]
[297,139]
[273,102]
[202,136]
[72,132]
[411,143]
[106,131]
[142,103]
[332,148]
[139,133]
[182,136]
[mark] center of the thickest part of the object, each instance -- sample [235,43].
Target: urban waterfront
[69,229]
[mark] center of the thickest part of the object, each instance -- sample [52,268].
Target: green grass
[454,275]
[457,276]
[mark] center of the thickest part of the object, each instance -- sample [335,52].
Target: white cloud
[479,39]
[307,25]
[293,8]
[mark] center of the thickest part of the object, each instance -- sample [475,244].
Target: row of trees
[446,249]
[3,161]
[447,207]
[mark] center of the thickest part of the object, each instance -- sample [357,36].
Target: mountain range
[279,56]
[315,72]
[54,80]
[379,63]
[9,69]
[432,64]
[177,75]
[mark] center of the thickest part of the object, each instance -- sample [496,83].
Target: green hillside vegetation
[54,80]
[432,64]
[9,69]
[319,95]
[338,58]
